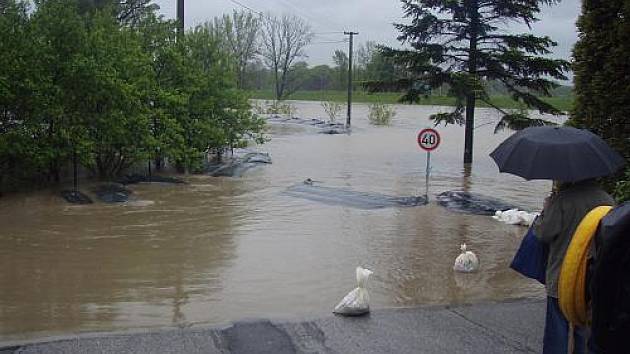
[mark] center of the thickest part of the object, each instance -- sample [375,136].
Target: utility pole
[180,17]
[351,34]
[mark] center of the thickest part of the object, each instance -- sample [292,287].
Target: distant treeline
[370,65]
[107,85]
[335,78]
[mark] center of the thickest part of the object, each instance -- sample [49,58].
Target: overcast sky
[373,20]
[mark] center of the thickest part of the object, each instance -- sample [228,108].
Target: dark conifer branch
[461,44]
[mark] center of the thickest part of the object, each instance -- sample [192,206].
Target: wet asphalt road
[504,327]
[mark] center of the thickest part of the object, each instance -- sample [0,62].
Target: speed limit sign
[429,139]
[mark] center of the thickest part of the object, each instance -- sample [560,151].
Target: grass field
[563,103]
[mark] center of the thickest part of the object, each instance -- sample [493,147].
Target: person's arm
[548,225]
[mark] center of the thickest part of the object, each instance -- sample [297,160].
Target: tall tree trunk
[472,70]
[53,165]
[158,162]
[158,156]
[470,121]
[278,92]
[75,171]
[241,75]
[53,171]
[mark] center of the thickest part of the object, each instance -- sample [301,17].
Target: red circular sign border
[439,139]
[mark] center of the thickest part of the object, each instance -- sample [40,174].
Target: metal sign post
[428,140]
[426,190]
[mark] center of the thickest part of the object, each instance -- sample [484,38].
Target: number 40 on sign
[428,140]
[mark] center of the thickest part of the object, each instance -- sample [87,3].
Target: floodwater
[223,249]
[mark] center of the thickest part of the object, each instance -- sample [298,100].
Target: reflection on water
[222,249]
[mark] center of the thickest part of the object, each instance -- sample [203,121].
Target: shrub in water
[332,109]
[281,108]
[381,114]
[259,108]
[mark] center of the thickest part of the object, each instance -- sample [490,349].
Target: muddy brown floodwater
[222,249]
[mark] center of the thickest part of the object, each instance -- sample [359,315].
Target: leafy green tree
[258,77]
[380,68]
[299,75]
[128,12]
[113,79]
[169,88]
[303,77]
[79,85]
[21,156]
[601,67]
[133,12]
[373,66]
[196,107]
[95,90]
[321,77]
[220,113]
[463,43]
[59,34]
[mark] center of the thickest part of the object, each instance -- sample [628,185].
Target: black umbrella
[557,153]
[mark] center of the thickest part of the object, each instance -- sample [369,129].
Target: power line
[306,15]
[329,42]
[260,13]
[316,34]
[296,10]
[327,38]
[246,7]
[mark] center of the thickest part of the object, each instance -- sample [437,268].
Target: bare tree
[283,40]
[239,35]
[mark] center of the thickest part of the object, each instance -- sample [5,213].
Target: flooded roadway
[222,249]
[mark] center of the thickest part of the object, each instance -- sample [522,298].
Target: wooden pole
[180,17]
[348,118]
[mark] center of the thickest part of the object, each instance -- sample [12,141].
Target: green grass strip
[563,103]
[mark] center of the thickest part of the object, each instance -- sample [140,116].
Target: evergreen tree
[464,43]
[602,74]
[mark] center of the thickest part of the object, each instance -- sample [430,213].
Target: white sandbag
[528,218]
[509,217]
[466,262]
[515,217]
[357,302]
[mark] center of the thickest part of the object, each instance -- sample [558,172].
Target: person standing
[576,157]
[562,213]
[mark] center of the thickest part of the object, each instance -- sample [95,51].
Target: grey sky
[371,18]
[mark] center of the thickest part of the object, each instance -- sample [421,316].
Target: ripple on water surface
[222,249]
